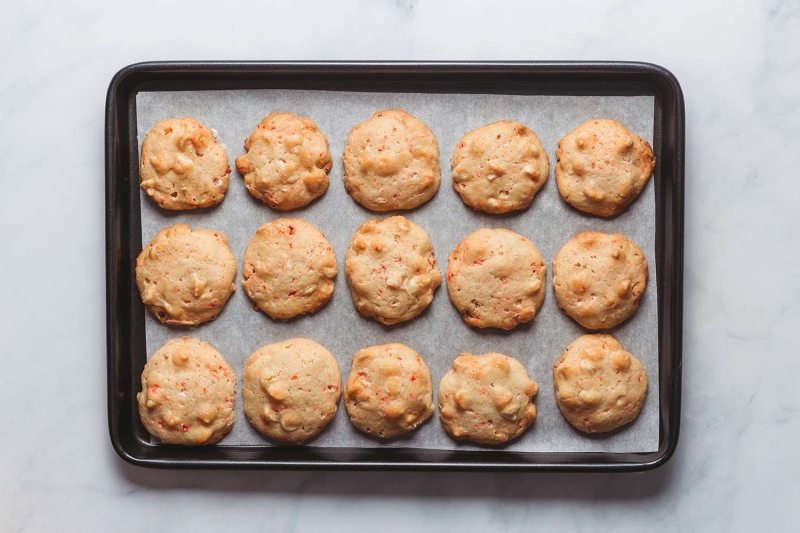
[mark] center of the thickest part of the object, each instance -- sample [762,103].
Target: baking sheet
[438,334]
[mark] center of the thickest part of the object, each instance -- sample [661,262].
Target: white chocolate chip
[530,171]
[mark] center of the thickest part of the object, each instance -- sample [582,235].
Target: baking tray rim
[660,78]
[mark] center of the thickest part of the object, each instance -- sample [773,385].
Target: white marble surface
[737,464]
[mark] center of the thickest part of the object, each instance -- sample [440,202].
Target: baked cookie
[391,161]
[188,392]
[598,279]
[389,390]
[495,278]
[391,270]
[291,389]
[599,386]
[185,276]
[183,166]
[499,167]
[287,161]
[288,268]
[602,167]
[487,399]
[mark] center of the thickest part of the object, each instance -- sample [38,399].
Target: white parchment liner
[438,334]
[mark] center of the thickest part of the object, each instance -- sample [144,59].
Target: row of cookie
[291,391]
[391,161]
[495,277]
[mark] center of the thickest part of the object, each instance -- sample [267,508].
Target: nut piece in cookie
[291,389]
[391,270]
[389,390]
[287,161]
[599,278]
[599,386]
[487,399]
[495,278]
[288,268]
[602,167]
[182,165]
[188,393]
[499,167]
[185,276]
[391,161]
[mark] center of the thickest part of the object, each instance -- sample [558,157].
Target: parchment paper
[438,334]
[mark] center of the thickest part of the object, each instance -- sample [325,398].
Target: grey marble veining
[736,467]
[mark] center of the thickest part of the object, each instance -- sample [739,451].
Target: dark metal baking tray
[125,312]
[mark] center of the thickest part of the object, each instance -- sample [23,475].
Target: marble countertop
[737,464]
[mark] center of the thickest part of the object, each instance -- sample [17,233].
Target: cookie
[487,399]
[391,161]
[391,270]
[389,390]
[599,278]
[499,167]
[495,278]
[599,386]
[185,276]
[602,167]
[288,268]
[183,166]
[291,389]
[287,161]
[188,392]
